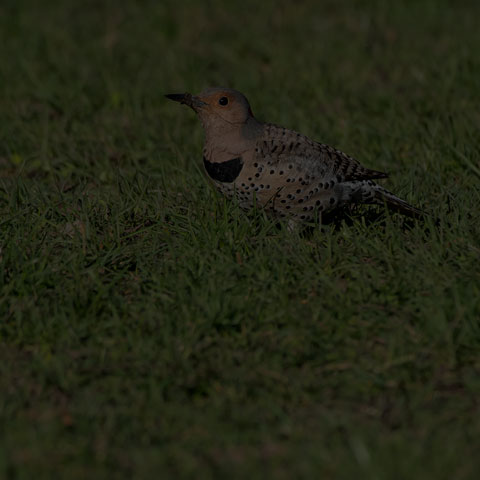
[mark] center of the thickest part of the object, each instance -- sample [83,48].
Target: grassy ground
[149,327]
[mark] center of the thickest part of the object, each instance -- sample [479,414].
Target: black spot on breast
[225,171]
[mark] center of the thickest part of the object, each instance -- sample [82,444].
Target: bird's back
[292,175]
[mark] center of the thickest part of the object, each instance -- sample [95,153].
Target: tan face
[217,105]
[231,106]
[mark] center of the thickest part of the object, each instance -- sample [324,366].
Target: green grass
[148,327]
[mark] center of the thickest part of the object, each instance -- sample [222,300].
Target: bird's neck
[224,141]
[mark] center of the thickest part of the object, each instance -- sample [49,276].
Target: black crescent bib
[225,172]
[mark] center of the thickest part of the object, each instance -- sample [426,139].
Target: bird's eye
[223,101]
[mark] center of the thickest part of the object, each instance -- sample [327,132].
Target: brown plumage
[281,170]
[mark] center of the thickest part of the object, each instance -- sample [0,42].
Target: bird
[286,173]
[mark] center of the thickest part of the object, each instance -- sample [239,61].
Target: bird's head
[217,107]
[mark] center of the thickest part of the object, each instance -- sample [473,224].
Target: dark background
[150,328]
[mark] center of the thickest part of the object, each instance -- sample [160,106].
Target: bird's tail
[383,196]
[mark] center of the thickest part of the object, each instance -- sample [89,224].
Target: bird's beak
[187,99]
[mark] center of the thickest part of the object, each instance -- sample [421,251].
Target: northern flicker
[281,170]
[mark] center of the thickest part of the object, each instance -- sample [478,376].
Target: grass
[150,328]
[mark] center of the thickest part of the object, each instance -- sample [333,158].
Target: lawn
[149,328]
